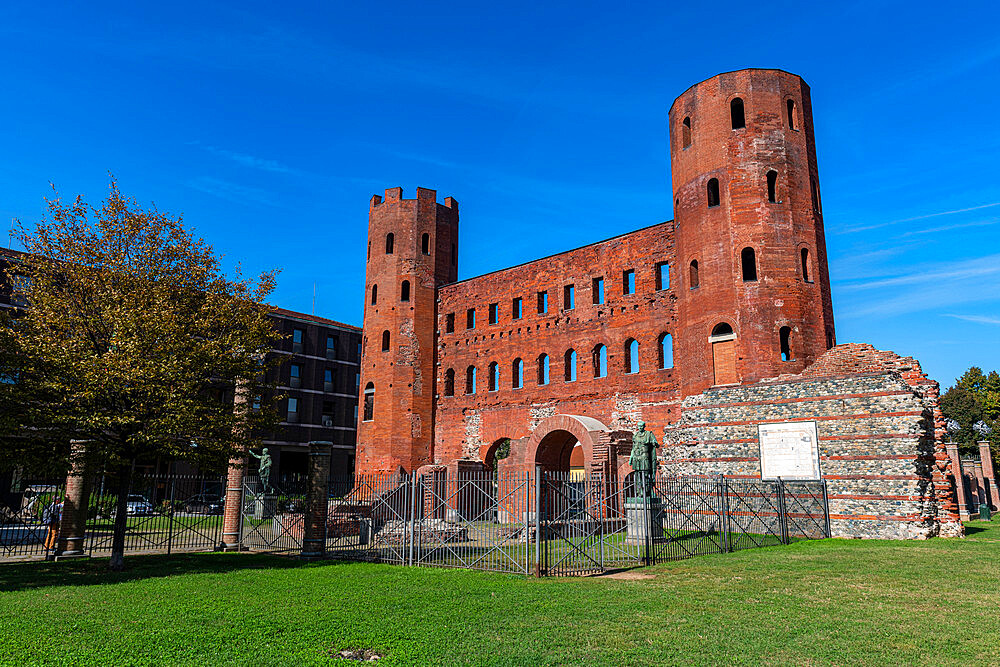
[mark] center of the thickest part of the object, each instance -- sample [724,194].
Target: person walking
[52,518]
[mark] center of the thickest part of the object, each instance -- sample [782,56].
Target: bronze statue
[265,468]
[643,457]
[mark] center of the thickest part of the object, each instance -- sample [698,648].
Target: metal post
[826,511]
[723,513]
[413,481]
[782,511]
[170,515]
[646,510]
[602,498]
[538,520]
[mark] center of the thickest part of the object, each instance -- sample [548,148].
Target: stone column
[989,474]
[74,516]
[956,469]
[232,512]
[317,501]
[982,493]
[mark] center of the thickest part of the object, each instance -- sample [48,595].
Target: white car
[138,506]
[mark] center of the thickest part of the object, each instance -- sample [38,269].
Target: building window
[723,342]
[693,274]
[713,192]
[449,382]
[805,264]
[772,186]
[331,347]
[516,308]
[374,294]
[454,254]
[255,405]
[628,282]
[369,413]
[599,357]
[327,415]
[829,339]
[517,374]
[662,274]
[404,291]
[494,376]
[790,110]
[425,244]
[543,302]
[748,260]
[737,113]
[385,340]
[597,289]
[470,318]
[569,362]
[686,133]
[20,286]
[785,343]
[293,410]
[815,193]
[543,369]
[389,242]
[631,356]
[665,344]
[295,375]
[494,313]
[470,380]
[569,297]
[328,379]
[449,323]
[297,336]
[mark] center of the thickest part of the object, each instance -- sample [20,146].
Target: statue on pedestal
[643,457]
[265,468]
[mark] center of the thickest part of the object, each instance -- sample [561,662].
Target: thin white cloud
[975,318]
[948,228]
[245,159]
[961,269]
[233,192]
[865,228]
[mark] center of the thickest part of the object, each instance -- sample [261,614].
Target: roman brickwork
[684,325]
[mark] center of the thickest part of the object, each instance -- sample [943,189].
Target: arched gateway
[551,443]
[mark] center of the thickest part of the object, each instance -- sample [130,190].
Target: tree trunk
[121,518]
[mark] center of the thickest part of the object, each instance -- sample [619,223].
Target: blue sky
[270,125]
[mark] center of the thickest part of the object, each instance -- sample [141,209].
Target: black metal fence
[26,507]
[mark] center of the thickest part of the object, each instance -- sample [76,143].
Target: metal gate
[272,517]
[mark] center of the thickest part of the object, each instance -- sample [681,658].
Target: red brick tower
[412,248]
[754,298]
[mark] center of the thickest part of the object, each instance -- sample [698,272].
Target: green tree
[134,340]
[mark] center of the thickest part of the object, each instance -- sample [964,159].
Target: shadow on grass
[94,571]
[972,530]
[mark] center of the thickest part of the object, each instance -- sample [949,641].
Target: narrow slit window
[597,289]
[790,107]
[449,382]
[662,274]
[686,133]
[369,413]
[737,113]
[569,297]
[517,374]
[494,313]
[784,340]
[543,302]
[470,380]
[389,243]
[712,191]
[631,356]
[385,340]
[599,358]
[543,369]
[693,274]
[805,265]
[494,376]
[374,294]
[449,323]
[628,282]
[470,318]
[404,291]
[772,186]
[666,350]
[569,361]
[425,244]
[516,308]
[815,193]
[748,260]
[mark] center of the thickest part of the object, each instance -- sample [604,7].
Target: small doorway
[723,341]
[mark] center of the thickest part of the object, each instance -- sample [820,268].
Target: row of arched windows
[598,366]
[390,243]
[404,292]
[748,267]
[713,197]
[738,119]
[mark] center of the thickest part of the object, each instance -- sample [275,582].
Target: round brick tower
[754,298]
[412,249]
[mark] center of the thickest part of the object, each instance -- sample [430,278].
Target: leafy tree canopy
[973,406]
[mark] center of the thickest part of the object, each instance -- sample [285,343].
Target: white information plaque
[789,451]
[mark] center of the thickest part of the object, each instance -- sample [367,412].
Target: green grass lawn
[829,602]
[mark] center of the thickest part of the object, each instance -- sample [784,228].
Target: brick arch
[547,445]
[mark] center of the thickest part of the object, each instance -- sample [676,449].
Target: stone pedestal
[264,505]
[317,501]
[74,517]
[636,524]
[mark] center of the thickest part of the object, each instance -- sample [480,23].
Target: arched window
[385,340]
[470,380]
[369,410]
[517,374]
[425,244]
[785,343]
[713,192]
[693,274]
[494,376]
[772,186]
[543,369]
[665,345]
[723,341]
[737,113]
[815,193]
[600,360]
[686,133]
[404,291]
[631,356]
[748,260]
[374,294]
[805,264]
[569,365]
[449,382]
[389,238]
[790,108]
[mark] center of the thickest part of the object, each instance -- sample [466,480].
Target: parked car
[138,506]
[204,503]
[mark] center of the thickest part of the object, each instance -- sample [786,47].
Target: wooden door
[724,361]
